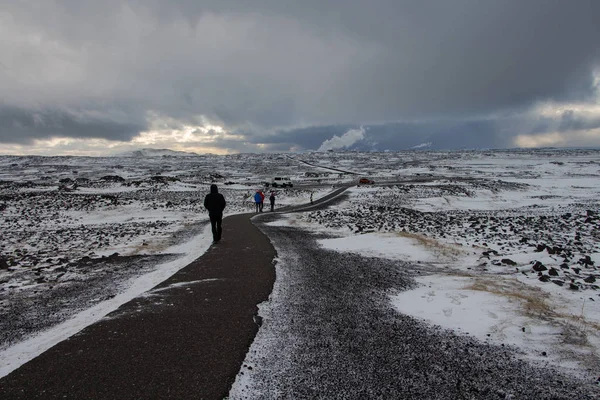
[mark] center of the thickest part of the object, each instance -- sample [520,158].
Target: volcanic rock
[586,261]
[538,266]
[112,178]
[573,286]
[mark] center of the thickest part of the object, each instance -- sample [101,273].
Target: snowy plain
[81,236]
[508,241]
[509,245]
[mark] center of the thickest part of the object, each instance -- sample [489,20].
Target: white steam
[344,141]
[422,145]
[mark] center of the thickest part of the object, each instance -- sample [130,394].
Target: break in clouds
[287,75]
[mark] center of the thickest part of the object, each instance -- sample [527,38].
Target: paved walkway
[186,339]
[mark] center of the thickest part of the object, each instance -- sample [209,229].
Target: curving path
[185,339]
[329,332]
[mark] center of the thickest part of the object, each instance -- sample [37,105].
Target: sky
[96,77]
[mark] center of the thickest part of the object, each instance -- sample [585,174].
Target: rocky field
[77,231]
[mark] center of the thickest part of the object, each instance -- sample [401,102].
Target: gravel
[329,331]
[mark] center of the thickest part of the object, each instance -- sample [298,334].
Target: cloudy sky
[224,76]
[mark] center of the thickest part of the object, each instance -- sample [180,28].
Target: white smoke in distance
[344,141]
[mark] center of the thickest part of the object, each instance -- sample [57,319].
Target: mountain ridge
[148,152]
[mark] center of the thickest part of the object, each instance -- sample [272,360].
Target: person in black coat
[272,200]
[214,202]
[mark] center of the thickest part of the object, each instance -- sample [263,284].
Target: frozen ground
[507,245]
[81,235]
[506,242]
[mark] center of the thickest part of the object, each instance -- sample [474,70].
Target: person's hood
[214,189]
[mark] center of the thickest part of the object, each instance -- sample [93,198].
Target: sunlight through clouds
[574,124]
[554,110]
[586,138]
[241,76]
[165,132]
[199,136]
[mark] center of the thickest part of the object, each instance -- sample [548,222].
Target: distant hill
[155,153]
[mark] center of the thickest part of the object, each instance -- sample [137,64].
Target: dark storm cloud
[267,66]
[497,132]
[22,125]
[570,121]
[451,57]
[402,136]
[308,137]
[482,133]
[567,121]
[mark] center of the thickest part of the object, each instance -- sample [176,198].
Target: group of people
[259,200]
[215,203]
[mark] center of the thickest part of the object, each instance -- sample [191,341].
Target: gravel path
[184,339]
[329,331]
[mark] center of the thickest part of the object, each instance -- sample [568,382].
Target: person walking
[262,200]
[257,200]
[272,200]
[215,203]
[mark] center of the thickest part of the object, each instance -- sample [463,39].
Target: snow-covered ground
[509,245]
[81,236]
[508,241]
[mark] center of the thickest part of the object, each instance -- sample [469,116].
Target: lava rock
[163,179]
[586,261]
[112,178]
[538,266]
[540,248]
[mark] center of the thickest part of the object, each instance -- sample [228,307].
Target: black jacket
[214,202]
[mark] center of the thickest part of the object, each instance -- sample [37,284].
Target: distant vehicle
[280,182]
[366,181]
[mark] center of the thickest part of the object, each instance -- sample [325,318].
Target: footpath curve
[184,339]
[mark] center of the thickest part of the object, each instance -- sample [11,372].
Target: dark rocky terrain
[329,331]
